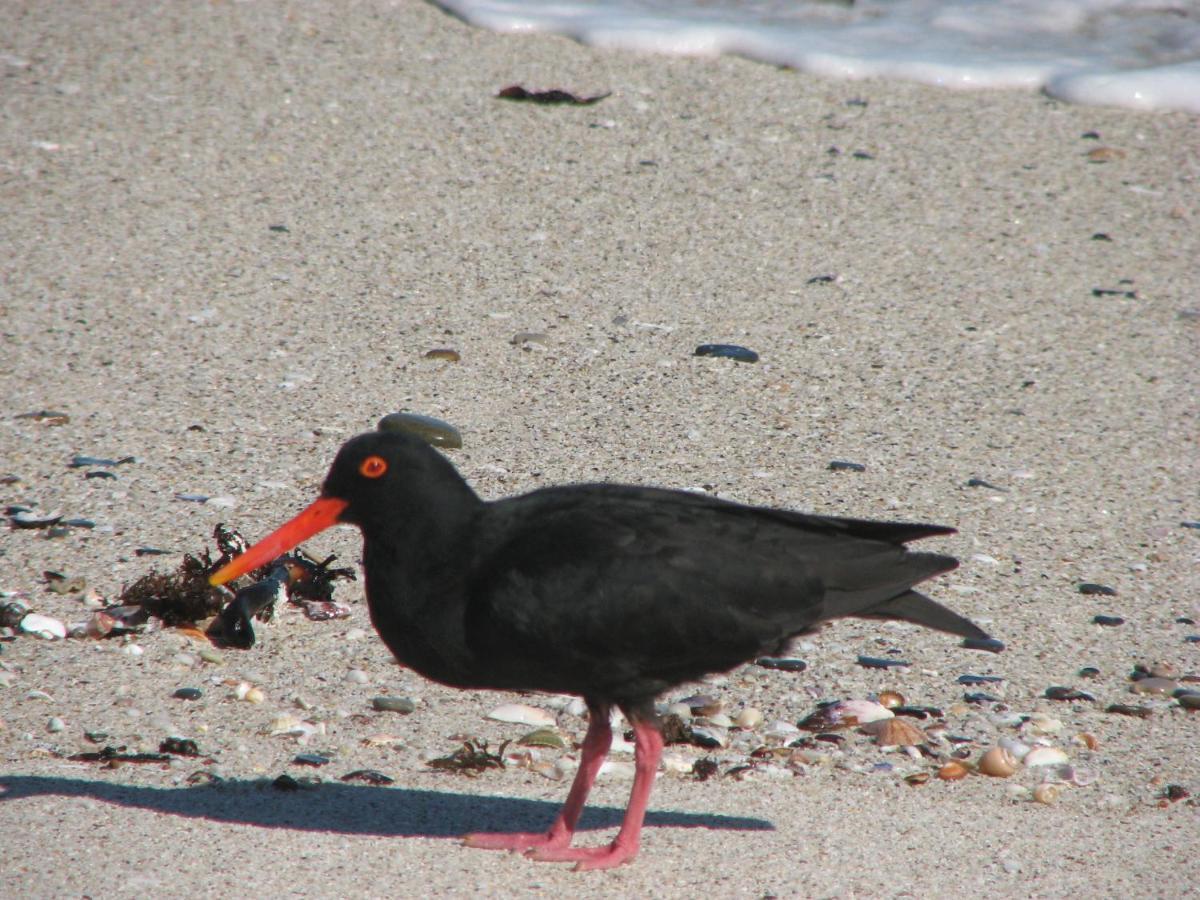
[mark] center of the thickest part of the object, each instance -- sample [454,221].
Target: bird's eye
[372,467]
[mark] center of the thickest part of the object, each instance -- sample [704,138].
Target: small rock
[1154,685]
[357,676]
[434,431]
[1096,590]
[55,725]
[401,705]
[188,693]
[1108,621]
[727,351]
[521,714]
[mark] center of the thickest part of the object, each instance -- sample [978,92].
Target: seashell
[749,718]
[846,714]
[682,710]
[676,765]
[521,714]
[918,778]
[998,763]
[1045,756]
[891,699]
[1047,793]
[615,769]
[781,731]
[43,627]
[895,732]
[543,737]
[1041,724]
[953,771]
[447,354]
[703,705]
[27,518]
[709,736]
[1018,749]
[1088,740]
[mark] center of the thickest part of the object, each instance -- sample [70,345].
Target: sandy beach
[232,232]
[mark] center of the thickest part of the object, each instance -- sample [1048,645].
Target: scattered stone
[1139,712]
[979,679]
[369,776]
[402,705]
[521,714]
[311,759]
[782,663]
[1108,621]
[875,662]
[990,645]
[1096,590]
[179,746]
[443,353]
[1154,685]
[1068,694]
[434,431]
[842,465]
[727,351]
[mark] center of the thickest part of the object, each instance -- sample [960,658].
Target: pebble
[844,465]
[357,676]
[875,662]
[44,627]
[1069,694]
[1108,621]
[311,759]
[990,645]
[369,776]
[30,519]
[979,679]
[401,705]
[1096,590]
[188,693]
[1154,685]
[445,354]
[210,655]
[55,725]
[782,663]
[1189,700]
[1122,709]
[521,714]
[727,351]
[435,431]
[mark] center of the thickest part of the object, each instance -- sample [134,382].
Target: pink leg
[648,744]
[595,747]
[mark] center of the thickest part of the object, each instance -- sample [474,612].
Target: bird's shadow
[350,809]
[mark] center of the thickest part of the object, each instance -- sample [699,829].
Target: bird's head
[377,479]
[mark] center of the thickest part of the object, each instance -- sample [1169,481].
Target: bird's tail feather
[921,610]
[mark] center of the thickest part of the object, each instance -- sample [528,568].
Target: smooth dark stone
[1122,709]
[100,473]
[783,663]
[188,693]
[727,351]
[393,704]
[979,482]
[1184,620]
[979,679]
[1067,694]
[979,697]
[842,465]
[1089,672]
[1092,589]
[874,662]
[918,712]
[434,431]
[370,776]
[990,645]
[311,759]
[1110,621]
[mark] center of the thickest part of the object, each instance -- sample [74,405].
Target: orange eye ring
[372,467]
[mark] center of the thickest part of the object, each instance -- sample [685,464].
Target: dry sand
[146,153]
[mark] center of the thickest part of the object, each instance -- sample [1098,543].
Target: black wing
[624,591]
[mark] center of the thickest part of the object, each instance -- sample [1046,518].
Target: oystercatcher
[613,592]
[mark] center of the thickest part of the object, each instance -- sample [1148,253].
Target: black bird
[612,592]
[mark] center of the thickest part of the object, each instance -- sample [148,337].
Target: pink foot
[585,858]
[517,842]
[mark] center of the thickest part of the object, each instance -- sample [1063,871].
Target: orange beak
[316,517]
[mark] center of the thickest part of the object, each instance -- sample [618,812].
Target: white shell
[44,627]
[1045,756]
[1018,749]
[1040,724]
[860,712]
[616,770]
[521,714]
[749,718]
[676,764]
